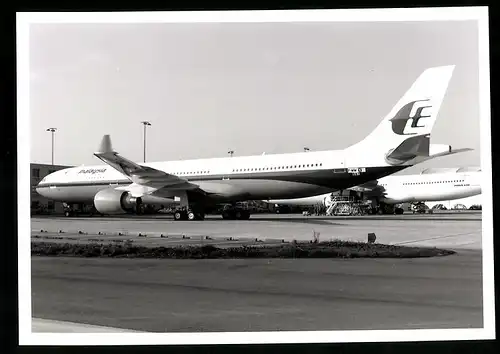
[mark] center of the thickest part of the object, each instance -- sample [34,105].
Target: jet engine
[112,201]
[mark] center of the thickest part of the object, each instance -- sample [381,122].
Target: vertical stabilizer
[405,132]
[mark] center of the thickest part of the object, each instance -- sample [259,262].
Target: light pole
[52,130]
[231,152]
[145,123]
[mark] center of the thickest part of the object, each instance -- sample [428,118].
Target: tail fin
[405,132]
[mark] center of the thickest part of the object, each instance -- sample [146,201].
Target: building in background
[39,204]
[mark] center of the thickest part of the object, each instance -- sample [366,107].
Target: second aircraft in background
[389,191]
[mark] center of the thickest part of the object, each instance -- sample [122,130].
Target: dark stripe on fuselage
[331,178]
[85,184]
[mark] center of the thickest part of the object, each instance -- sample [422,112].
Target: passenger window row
[274,168]
[191,173]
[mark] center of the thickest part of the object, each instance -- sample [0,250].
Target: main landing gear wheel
[189,215]
[236,215]
[179,215]
[195,216]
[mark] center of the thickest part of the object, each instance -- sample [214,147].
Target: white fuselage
[224,179]
[411,188]
[431,187]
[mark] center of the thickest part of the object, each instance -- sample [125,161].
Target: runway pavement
[256,295]
[460,231]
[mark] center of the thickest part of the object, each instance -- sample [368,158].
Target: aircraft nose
[40,189]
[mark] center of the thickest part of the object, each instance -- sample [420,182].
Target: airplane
[392,190]
[401,140]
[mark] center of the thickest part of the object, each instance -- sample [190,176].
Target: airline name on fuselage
[93,170]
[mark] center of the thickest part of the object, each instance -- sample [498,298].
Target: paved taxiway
[255,295]
[276,294]
[454,231]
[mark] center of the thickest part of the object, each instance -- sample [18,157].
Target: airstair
[345,206]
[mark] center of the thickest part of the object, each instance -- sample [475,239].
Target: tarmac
[258,294]
[454,231]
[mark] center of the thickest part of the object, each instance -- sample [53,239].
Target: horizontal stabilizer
[432,170]
[469,169]
[444,153]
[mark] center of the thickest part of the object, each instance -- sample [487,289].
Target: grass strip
[330,249]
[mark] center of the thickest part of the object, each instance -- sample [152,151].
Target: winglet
[105,146]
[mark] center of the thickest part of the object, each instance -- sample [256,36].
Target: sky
[208,88]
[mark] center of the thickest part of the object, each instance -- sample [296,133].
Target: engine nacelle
[112,201]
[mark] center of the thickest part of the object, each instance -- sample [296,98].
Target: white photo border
[24,20]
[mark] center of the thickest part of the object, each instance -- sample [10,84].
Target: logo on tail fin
[406,123]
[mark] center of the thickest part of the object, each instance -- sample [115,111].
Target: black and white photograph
[287,176]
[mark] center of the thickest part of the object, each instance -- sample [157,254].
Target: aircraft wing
[367,187]
[145,180]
